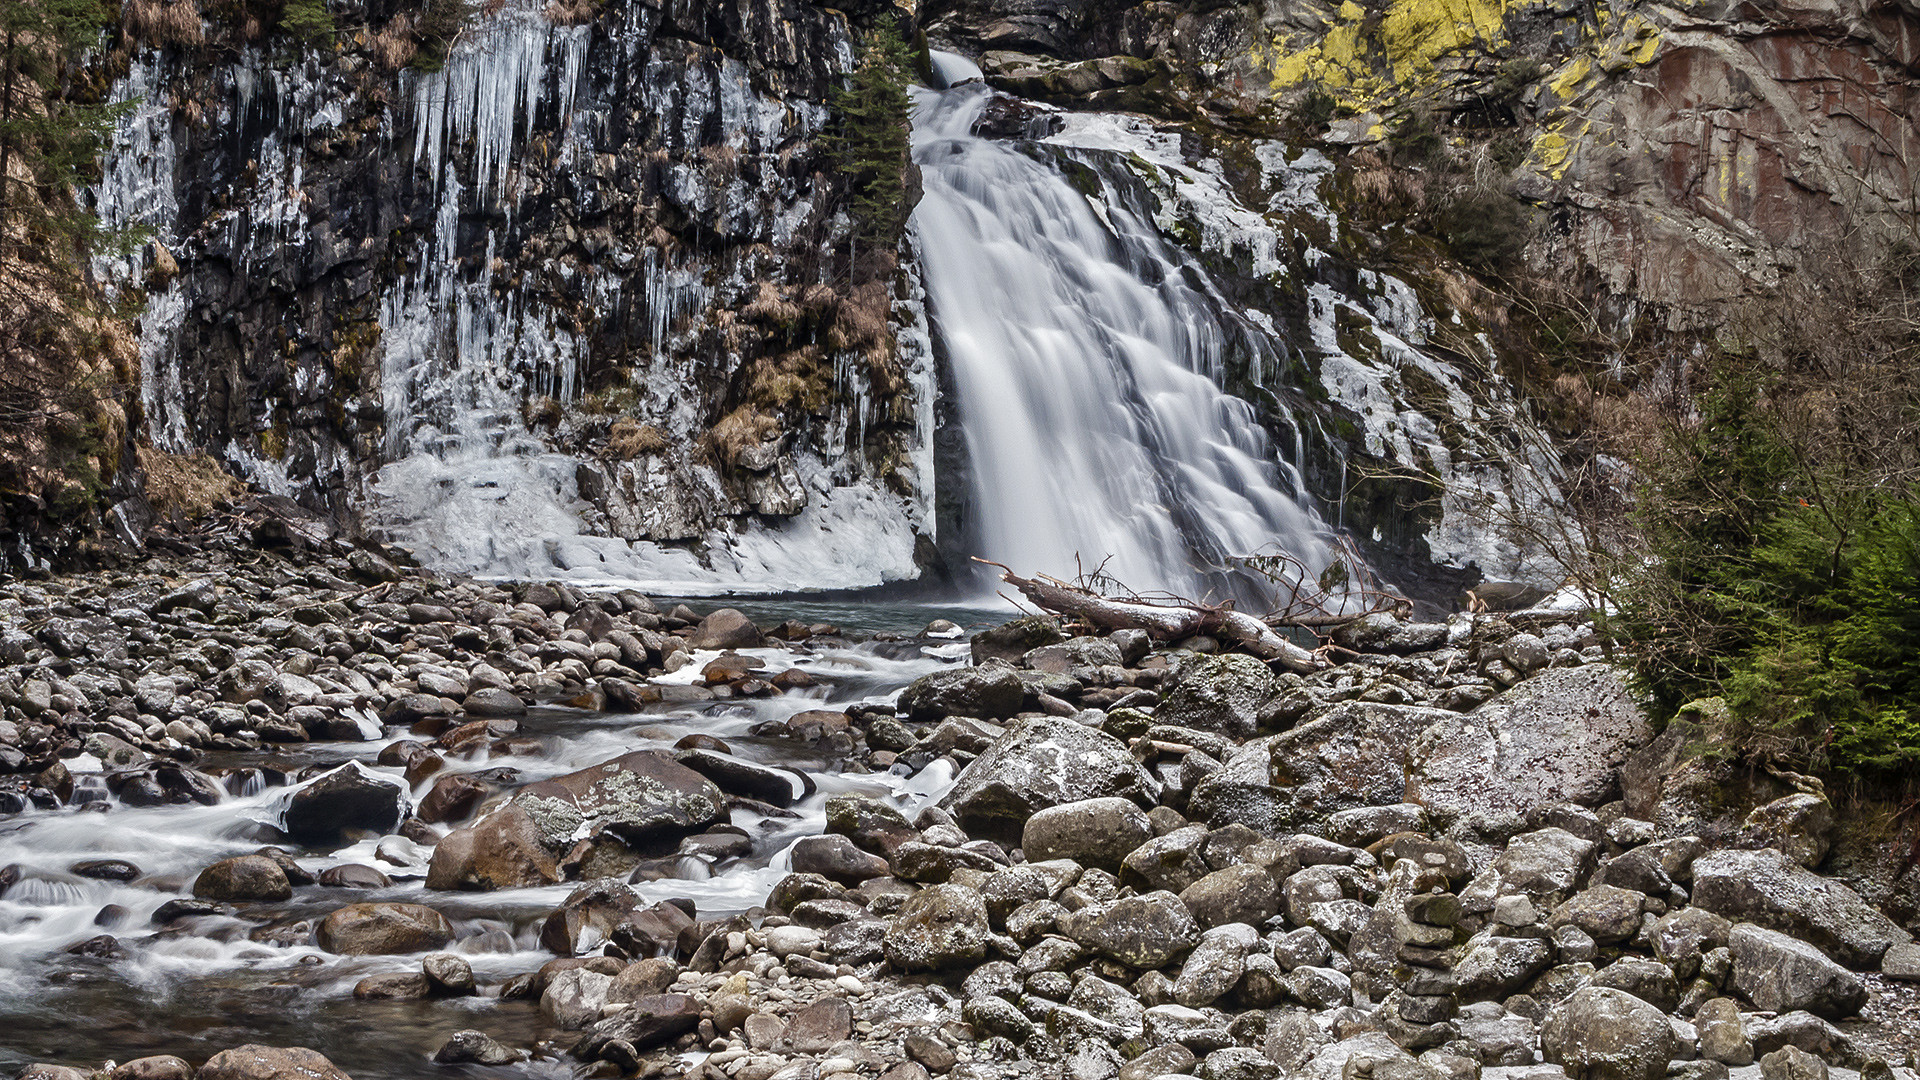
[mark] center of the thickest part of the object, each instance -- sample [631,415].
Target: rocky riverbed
[274,815]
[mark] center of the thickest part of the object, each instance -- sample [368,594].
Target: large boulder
[500,851]
[1222,694]
[1558,737]
[243,879]
[254,1062]
[1599,1033]
[383,929]
[1355,755]
[1780,974]
[1142,932]
[641,797]
[1013,640]
[1767,888]
[350,797]
[1038,763]
[991,691]
[1092,832]
[1245,893]
[938,928]
[586,918]
[727,628]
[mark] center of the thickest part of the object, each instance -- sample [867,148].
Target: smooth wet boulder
[243,879]
[1142,932]
[471,1047]
[493,702]
[647,1023]
[727,628]
[1218,694]
[586,918]
[1559,737]
[349,797]
[737,776]
[383,929]
[1599,1033]
[1769,889]
[1012,640]
[453,797]
[1039,763]
[871,824]
[642,796]
[1781,974]
[156,1067]
[938,928]
[991,691]
[1092,832]
[500,851]
[836,858]
[255,1062]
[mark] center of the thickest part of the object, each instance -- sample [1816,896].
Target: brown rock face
[500,851]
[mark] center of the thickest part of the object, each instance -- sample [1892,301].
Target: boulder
[1723,1037]
[1558,737]
[1769,889]
[1219,694]
[645,1024]
[991,691]
[452,798]
[1381,632]
[1092,832]
[641,797]
[243,879]
[471,1047]
[1354,755]
[1239,894]
[1599,1033]
[500,851]
[1012,640]
[1608,914]
[1143,932]
[938,928]
[349,797]
[726,629]
[253,1062]
[1799,825]
[383,929]
[573,998]
[492,701]
[157,1067]
[584,921]
[736,776]
[1792,1063]
[1780,974]
[836,858]
[1039,763]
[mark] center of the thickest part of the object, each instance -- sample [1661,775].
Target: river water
[202,985]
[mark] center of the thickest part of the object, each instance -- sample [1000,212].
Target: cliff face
[1685,153]
[585,284]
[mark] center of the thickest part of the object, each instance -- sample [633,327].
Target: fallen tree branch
[1162,621]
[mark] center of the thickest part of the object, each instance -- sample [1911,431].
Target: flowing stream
[195,991]
[1086,351]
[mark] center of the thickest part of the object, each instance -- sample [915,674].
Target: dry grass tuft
[394,46]
[768,306]
[627,440]
[572,12]
[741,430]
[163,23]
[183,487]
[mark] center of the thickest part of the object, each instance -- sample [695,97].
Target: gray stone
[939,927]
[1238,894]
[1353,756]
[1092,832]
[243,879]
[1780,974]
[1039,763]
[1767,888]
[1558,737]
[1723,1037]
[383,929]
[1792,1063]
[1218,694]
[991,691]
[1142,932]
[1599,1033]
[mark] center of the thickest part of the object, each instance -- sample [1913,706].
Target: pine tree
[48,139]
[871,137]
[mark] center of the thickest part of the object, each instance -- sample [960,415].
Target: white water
[1087,360]
[169,976]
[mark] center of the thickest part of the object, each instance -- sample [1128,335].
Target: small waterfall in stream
[1086,352]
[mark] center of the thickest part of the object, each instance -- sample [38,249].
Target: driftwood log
[1165,622]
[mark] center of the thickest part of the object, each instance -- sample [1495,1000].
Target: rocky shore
[1459,851]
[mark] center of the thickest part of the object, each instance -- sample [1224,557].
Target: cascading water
[1086,352]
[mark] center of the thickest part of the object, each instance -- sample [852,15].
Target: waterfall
[1087,354]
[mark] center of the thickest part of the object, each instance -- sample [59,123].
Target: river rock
[738,777]
[1355,755]
[1381,632]
[1142,932]
[243,879]
[158,1067]
[643,1025]
[1780,974]
[838,859]
[349,797]
[1239,894]
[573,998]
[872,825]
[492,701]
[1769,889]
[1092,832]
[1038,763]
[585,919]
[1723,1037]
[500,851]
[254,1062]
[642,796]
[1792,1063]
[1219,694]
[452,798]
[474,1048]
[939,927]
[727,628]
[1599,1033]
[1012,640]
[383,929]
[1558,737]
[1799,825]
[991,691]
